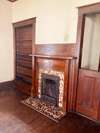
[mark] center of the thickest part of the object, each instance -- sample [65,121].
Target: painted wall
[6,44]
[56,22]
[56,19]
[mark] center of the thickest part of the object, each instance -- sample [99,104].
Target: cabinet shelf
[24,40]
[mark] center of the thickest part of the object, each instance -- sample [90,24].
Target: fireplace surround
[53,71]
[43,67]
[55,62]
[59,81]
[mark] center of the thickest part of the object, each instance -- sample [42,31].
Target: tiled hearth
[44,107]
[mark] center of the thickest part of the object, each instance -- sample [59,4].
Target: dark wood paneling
[51,64]
[72,86]
[24,71]
[24,63]
[24,48]
[23,86]
[88,93]
[57,49]
[24,32]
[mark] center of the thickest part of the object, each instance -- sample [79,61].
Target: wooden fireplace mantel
[54,57]
[61,58]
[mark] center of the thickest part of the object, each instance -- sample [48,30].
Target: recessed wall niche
[91,43]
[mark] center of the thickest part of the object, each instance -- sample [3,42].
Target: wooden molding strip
[54,57]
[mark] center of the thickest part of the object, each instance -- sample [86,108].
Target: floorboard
[17,118]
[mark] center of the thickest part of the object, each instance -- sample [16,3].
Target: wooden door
[24,42]
[88,94]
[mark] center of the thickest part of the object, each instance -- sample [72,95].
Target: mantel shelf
[53,57]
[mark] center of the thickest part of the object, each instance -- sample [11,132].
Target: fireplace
[50,88]
[53,75]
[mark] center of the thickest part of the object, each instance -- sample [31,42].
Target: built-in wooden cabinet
[88,85]
[24,48]
[24,43]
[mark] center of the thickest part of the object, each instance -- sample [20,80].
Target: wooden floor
[17,118]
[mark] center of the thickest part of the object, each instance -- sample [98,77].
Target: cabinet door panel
[24,71]
[24,33]
[88,93]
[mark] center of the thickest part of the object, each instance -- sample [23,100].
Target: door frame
[82,12]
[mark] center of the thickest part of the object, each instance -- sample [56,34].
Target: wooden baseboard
[93,120]
[6,85]
[23,86]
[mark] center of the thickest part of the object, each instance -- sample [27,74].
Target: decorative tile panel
[61,87]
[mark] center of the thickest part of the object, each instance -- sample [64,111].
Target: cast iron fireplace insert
[50,88]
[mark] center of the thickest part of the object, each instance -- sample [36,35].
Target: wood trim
[6,85]
[91,8]
[34,90]
[80,36]
[72,88]
[66,80]
[82,115]
[25,22]
[54,57]
[63,50]
[82,11]
[92,4]
[91,73]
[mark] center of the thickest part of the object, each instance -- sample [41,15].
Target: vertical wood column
[72,86]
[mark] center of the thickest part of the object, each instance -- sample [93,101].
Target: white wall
[6,44]
[56,22]
[56,19]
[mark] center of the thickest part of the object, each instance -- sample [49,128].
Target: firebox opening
[50,88]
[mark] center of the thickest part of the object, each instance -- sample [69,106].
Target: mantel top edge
[54,56]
